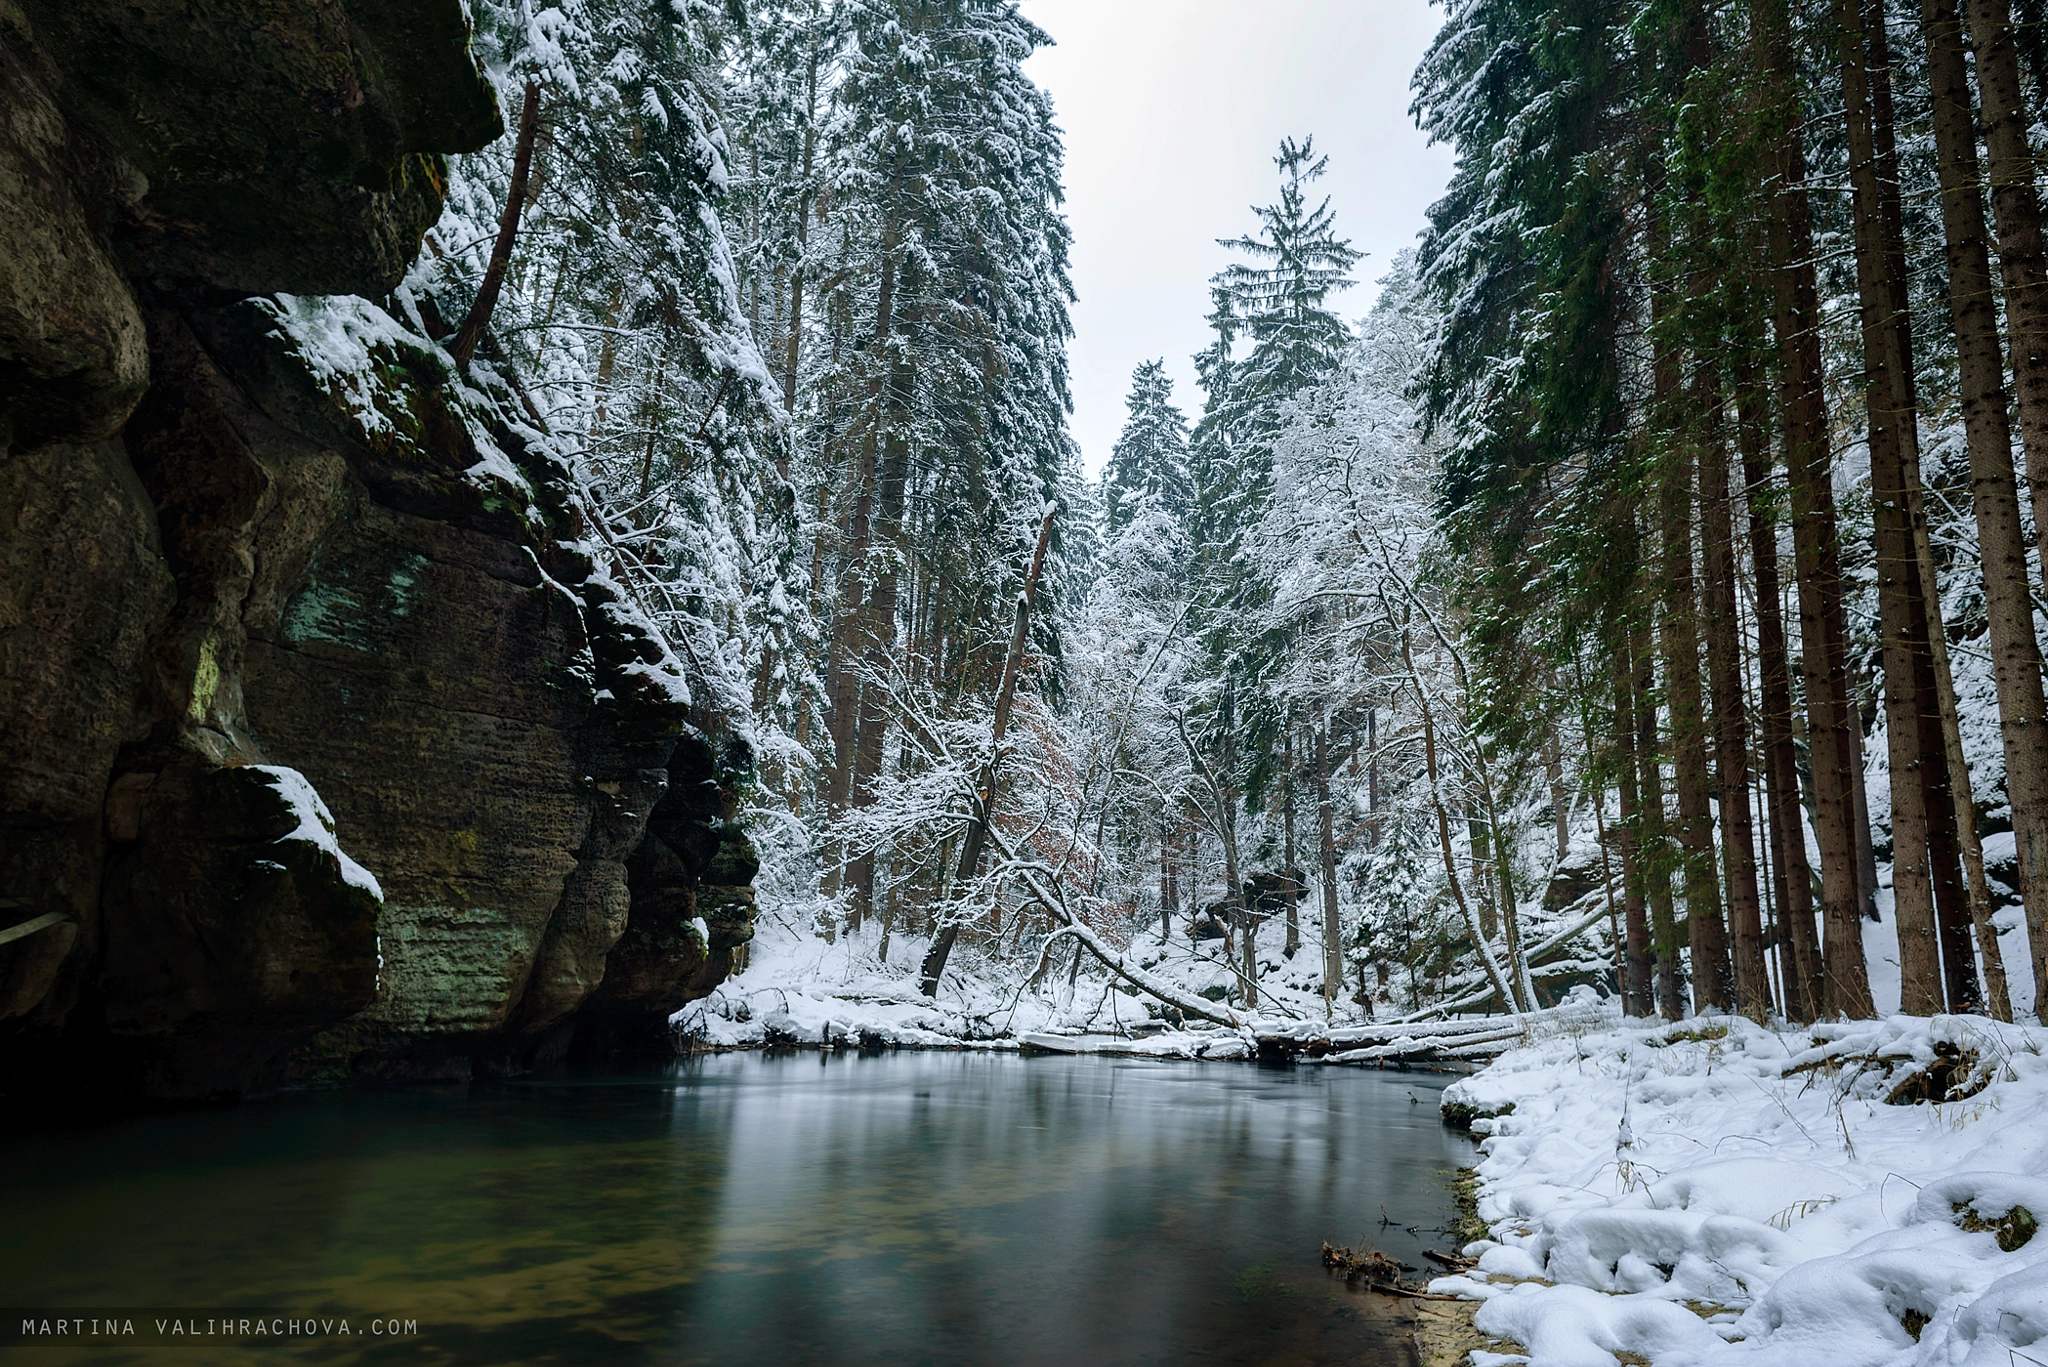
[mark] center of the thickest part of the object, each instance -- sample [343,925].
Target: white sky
[1173,110]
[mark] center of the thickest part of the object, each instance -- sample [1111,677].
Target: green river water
[914,1208]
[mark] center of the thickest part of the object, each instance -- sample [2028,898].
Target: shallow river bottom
[904,1209]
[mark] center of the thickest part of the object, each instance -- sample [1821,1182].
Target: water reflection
[913,1208]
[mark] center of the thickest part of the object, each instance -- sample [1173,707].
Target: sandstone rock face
[692,907]
[257,553]
[286,145]
[228,927]
[71,349]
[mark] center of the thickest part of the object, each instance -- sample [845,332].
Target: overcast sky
[1173,110]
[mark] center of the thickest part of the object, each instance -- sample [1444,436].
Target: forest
[1642,594]
[544,554]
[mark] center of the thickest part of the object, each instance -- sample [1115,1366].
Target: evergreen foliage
[1645,569]
[1150,459]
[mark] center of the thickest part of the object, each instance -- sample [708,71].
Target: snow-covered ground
[1718,1192]
[800,988]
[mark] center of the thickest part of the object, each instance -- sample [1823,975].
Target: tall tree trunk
[647,515]
[1169,892]
[999,726]
[1793,875]
[1326,828]
[1655,844]
[849,629]
[1560,802]
[1944,845]
[1885,356]
[2016,211]
[1287,820]
[1640,996]
[1859,793]
[1731,726]
[1510,900]
[472,329]
[1932,685]
[1480,847]
[607,361]
[1248,914]
[1372,774]
[1677,630]
[842,682]
[1677,641]
[1831,724]
[795,348]
[1959,828]
[891,481]
[2008,601]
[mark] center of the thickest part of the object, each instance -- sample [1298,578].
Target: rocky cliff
[331,750]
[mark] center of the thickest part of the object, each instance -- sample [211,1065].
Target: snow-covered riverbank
[800,988]
[1842,1195]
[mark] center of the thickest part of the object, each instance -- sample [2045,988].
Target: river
[744,1209]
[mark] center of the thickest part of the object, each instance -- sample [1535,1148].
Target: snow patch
[1720,1192]
[316,824]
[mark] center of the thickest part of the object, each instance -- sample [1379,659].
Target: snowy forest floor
[1849,1194]
[799,988]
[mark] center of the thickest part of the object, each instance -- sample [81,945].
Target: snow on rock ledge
[316,824]
[1852,1194]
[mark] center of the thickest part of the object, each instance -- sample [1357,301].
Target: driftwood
[1378,1272]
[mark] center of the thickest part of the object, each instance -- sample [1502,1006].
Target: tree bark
[891,482]
[1287,820]
[1560,803]
[1326,830]
[842,684]
[2008,601]
[1169,893]
[1480,847]
[1831,726]
[1639,997]
[1655,842]
[1885,357]
[1372,775]
[795,348]
[1731,726]
[2022,263]
[1792,874]
[1706,930]
[1961,826]
[1248,915]
[1933,687]
[472,329]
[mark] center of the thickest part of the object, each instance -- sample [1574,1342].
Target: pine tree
[1282,304]
[939,414]
[1279,303]
[1150,459]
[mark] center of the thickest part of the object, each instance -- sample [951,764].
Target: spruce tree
[1150,459]
[944,391]
[1279,302]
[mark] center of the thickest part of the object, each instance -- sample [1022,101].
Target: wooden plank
[30,927]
